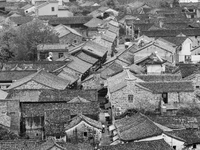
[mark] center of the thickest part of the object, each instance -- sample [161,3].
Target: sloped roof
[94,22]
[29,65]
[85,57]
[76,120]
[136,127]
[109,36]
[187,69]
[190,136]
[144,145]
[168,86]
[66,20]
[95,48]
[79,65]
[42,95]
[63,30]
[171,33]
[110,70]
[43,78]
[160,77]
[176,122]
[176,40]
[21,19]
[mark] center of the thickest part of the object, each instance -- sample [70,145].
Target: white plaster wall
[173,142]
[46,10]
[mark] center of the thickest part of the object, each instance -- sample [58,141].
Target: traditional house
[127,91]
[164,50]
[84,128]
[57,51]
[68,35]
[40,80]
[50,8]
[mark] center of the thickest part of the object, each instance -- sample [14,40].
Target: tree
[30,35]
[176,3]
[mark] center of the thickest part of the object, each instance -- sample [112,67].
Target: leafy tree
[176,3]
[30,35]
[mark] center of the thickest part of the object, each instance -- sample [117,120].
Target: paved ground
[105,138]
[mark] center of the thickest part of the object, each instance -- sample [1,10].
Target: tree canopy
[20,43]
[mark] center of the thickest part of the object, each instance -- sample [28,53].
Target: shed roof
[52,47]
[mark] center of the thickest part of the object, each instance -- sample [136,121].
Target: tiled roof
[38,108]
[94,22]
[190,136]
[109,36]
[43,95]
[53,47]
[15,74]
[136,69]
[44,78]
[136,127]
[95,48]
[111,70]
[168,86]
[144,145]
[187,69]
[63,30]
[85,57]
[67,76]
[176,40]
[172,33]
[127,57]
[160,77]
[21,19]
[47,65]
[79,65]
[176,122]
[66,20]
[79,118]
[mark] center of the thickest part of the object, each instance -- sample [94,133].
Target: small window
[174,147]
[37,134]
[75,41]
[130,98]
[85,133]
[197,87]
[60,55]
[52,9]
[194,146]
[165,97]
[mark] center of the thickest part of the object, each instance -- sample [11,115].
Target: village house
[51,8]
[57,51]
[38,107]
[83,128]
[68,35]
[126,91]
